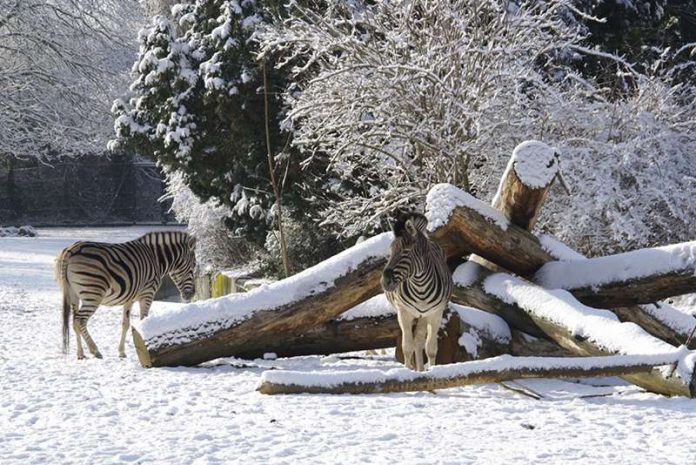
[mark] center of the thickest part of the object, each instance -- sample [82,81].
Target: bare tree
[61,65]
[398,95]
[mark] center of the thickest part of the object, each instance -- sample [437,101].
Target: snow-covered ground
[55,410]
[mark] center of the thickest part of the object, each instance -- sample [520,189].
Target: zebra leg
[406,324]
[125,324]
[434,321]
[420,335]
[145,302]
[80,324]
[78,338]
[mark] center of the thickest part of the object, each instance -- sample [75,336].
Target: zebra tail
[62,279]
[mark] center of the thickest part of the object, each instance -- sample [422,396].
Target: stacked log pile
[510,273]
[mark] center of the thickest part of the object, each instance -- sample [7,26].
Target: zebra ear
[411,228]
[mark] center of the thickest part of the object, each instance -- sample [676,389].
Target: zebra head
[183,269]
[409,246]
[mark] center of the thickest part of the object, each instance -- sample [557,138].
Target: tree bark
[491,370]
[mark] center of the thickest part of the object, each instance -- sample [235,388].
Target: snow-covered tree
[61,64]
[398,95]
[197,106]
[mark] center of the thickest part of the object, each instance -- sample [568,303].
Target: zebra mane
[159,237]
[418,220]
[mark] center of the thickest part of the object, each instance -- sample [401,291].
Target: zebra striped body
[96,273]
[418,284]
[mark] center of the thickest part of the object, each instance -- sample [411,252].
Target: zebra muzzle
[388,281]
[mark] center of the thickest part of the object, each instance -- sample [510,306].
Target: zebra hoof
[122,355]
[98,355]
[81,356]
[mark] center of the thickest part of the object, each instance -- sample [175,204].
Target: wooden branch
[492,370]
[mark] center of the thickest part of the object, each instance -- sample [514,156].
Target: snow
[466,274]
[627,266]
[443,198]
[534,163]
[601,327]
[209,316]
[495,327]
[56,410]
[558,249]
[377,306]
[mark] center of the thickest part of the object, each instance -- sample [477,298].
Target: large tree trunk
[492,370]
[290,306]
[520,198]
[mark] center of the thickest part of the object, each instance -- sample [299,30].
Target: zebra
[418,284]
[95,273]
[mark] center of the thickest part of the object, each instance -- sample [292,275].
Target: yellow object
[222,285]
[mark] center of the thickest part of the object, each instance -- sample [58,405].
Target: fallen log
[249,322]
[492,370]
[636,277]
[373,325]
[588,331]
[659,319]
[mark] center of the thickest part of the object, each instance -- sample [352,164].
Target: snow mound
[443,198]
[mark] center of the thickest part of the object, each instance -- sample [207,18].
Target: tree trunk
[492,370]
[256,330]
[520,200]
[642,290]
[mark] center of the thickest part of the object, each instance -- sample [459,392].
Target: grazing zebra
[96,273]
[418,284]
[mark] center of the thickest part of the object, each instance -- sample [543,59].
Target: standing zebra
[418,284]
[95,273]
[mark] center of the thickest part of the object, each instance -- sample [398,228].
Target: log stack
[311,313]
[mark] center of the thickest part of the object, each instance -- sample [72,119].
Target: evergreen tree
[197,107]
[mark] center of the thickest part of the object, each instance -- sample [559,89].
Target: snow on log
[503,243]
[491,370]
[463,224]
[659,319]
[526,182]
[636,277]
[589,331]
[221,327]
